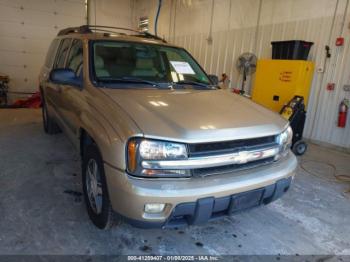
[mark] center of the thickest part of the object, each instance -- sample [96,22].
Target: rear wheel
[50,126]
[95,189]
[299,148]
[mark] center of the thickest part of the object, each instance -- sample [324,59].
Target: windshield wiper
[128,80]
[187,82]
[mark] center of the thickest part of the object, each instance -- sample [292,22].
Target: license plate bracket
[245,200]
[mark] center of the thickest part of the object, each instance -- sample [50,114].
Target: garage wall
[28,27]
[26,30]
[112,12]
[234,30]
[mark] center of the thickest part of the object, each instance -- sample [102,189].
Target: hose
[157,16]
[338,178]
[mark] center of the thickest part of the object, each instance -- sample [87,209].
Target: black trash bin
[291,50]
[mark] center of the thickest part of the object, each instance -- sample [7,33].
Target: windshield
[127,62]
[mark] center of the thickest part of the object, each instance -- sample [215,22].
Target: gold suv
[161,145]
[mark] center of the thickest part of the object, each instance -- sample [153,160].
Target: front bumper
[197,200]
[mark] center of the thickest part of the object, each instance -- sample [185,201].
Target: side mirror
[214,79]
[65,77]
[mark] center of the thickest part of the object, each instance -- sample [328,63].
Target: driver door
[72,97]
[54,91]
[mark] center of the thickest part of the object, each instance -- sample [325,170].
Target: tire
[95,192]
[50,126]
[299,148]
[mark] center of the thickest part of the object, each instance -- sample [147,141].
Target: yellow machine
[278,81]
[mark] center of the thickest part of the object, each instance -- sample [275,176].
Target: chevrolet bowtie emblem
[242,157]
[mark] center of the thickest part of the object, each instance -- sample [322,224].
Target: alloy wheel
[94,186]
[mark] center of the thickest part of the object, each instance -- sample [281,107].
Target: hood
[194,116]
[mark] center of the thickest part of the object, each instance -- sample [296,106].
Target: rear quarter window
[62,53]
[51,53]
[75,57]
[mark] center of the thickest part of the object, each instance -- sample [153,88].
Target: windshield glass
[128,62]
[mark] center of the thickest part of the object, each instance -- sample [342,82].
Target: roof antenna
[157,16]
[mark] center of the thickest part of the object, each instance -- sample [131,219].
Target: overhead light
[207,127]
[154,103]
[158,103]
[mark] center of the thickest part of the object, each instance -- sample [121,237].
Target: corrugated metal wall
[228,43]
[26,30]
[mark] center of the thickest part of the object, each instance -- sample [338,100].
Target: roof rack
[88,29]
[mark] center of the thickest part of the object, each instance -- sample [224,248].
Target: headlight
[285,141]
[139,149]
[157,150]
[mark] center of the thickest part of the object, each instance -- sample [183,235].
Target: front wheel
[299,148]
[95,189]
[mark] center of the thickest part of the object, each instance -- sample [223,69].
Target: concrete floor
[42,214]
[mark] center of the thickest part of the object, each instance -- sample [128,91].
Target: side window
[75,57]
[50,56]
[62,53]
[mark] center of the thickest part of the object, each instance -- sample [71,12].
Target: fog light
[154,208]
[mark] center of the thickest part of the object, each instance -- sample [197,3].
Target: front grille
[201,172]
[217,148]
[226,147]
